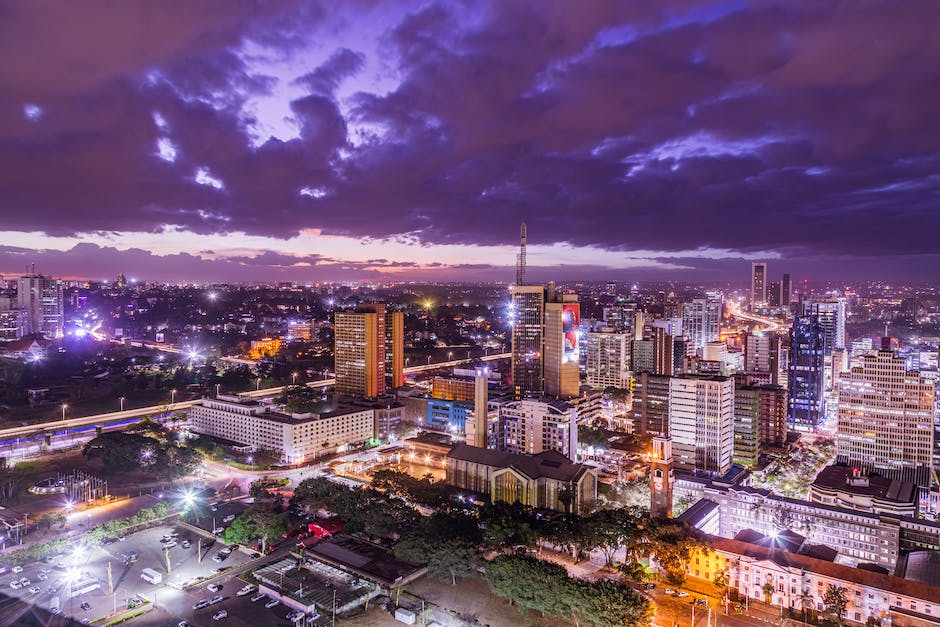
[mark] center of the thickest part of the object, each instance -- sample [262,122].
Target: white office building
[608,360]
[297,437]
[701,423]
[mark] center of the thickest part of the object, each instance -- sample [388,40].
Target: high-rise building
[608,360]
[662,478]
[831,315]
[368,351]
[886,419]
[14,324]
[41,296]
[651,404]
[560,353]
[701,423]
[545,341]
[643,355]
[622,318]
[532,426]
[762,354]
[528,305]
[520,259]
[663,362]
[701,320]
[760,419]
[773,294]
[758,284]
[786,290]
[806,373]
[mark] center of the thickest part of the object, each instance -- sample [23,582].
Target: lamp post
[172,396]
[64,407]
[122,403]
[217,386]
[429,360]
[293,378]
[258,383]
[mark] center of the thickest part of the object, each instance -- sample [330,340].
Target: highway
[57,427]
[770,325]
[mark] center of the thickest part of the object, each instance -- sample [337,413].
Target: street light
[122,403]
[172,396]
[64,407]
[293,377]
[258,384]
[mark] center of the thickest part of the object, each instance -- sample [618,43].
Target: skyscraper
[520,258]
[760,419]
[786,290]
[701,320]
[701,423]
[608,360]
[831,315]
[886,419]
[758,284]
[528,305]
[651,404]
[806,373]
[41,296]
[662,351]
[561,352]
[762,354]
[363,340]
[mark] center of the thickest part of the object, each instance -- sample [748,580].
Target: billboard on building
[570,324]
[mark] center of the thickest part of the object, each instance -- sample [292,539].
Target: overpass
[770,325]
[15,437]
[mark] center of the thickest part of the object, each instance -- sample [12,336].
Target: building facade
[701,423]
[806,374]
[701,320]
[368,350]
[608,360]
[758,284]
[886,419]
[531,426]
[41,296]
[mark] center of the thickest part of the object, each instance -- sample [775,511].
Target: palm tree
[768,590]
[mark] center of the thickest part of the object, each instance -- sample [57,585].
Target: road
[17,436]
[770,325]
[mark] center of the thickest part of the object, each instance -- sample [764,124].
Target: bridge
[768,325]
[72,428]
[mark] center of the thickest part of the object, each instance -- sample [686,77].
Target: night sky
[229,140]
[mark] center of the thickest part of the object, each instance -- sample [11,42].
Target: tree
[299,399]
[255,523]
[768,590]
[672,544]
[602,603]
[181,461]
[448,558]
[266,456]
[117,451]
[835,601]
[261,488]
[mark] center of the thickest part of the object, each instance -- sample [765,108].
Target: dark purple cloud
[803,128]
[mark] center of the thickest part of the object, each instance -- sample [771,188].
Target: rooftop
[365,559]
[549,464]
[841,478]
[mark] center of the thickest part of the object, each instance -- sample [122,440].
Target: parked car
[682,595]
[15,584]
[41,576]
[214,587]
[201,603]
[257,597]
[272,603]
[229,518]
[34,590]
[185,544]
[246,590]
[17,569]
[219,615]
[650,586]
[701,602]
[669,591]
[216,599]
[225,551]
[217,559]
[169,545]
[86,606]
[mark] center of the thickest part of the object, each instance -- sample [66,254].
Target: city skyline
[330,142]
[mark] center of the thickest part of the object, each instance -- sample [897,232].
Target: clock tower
[661,478]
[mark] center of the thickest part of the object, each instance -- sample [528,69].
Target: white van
[151,576]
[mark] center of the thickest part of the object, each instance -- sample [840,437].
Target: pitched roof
[548,464]
[888,583]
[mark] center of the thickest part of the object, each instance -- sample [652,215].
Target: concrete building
[799,582]
[643,355]
[14,324]
[527,304]
[662,479]
[547,480]
[760,420]
[369,350]
[886,419]
[651,404]
[298,437]
[608,360]
[531,426]
[762,355]
[562,329]
[854,488]
[701,320]
[663,362]
[41,296]
[758,284]
[701,423]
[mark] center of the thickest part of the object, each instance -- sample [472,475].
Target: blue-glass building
[447,416]
[806,373]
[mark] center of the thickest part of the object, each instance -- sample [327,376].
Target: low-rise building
[548,480]
[770,573]
[298,437]
[854,488]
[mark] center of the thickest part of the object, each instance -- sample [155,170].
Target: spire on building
[520,258]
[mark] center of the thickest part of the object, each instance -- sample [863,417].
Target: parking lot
[88,568]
